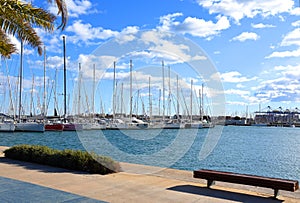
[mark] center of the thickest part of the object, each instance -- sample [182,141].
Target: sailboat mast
[191,107]
[20,80]
[114,89]
[31,98]
[11,105]
[122,102]
[79,89]
[65,78]
[94,81]
[55,94]
[163,89]
[150,103]
[177,98]
[202,106]
[44,104]
[169,96]
[130,112]
[159,101]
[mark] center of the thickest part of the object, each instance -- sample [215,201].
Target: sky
[242,56]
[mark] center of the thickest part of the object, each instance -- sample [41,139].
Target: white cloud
[87,33]
[167,49]
[240,86]
[261,25]
[237,92]
[168,21]
[193,26]
[246,36]
[295,11]
[292,38]
[284,88]
[54,62]
[235,103]
[127,34]
[238,9]
[289,71]
[296,23]
[78,7]
[235,77]
[102,64]
[283,54]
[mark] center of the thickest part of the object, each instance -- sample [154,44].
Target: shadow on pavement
[221,194]
[38,167]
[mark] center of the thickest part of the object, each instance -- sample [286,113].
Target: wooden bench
[276,184]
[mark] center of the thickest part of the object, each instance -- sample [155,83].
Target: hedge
[68,159]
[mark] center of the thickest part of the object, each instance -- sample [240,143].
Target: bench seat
[274,183]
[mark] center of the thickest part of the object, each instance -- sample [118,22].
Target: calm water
[267,151]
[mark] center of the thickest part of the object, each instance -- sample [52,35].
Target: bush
[68,159]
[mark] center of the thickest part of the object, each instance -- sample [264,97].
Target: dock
[137,183]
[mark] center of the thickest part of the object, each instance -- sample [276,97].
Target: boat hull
[72,127]
[29,127]
[7,127]
[193,125]
[54,127]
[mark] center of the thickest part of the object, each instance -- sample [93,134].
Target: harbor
[273,151]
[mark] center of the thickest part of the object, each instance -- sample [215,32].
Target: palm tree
[20,18]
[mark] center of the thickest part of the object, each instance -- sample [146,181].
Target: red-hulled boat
[54,127]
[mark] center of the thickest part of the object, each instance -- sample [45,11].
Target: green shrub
[69,159]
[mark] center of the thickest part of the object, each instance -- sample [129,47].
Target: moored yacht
[54,127]
[72,127]
[6,123]
[7,127]
[173,124]
[29,127]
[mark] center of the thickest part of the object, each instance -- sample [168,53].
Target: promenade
[29,182]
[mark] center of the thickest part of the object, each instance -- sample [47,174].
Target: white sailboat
[6,123]
[24,125]
[192,123]
[30,127]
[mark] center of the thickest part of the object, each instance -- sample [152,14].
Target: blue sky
[252,47]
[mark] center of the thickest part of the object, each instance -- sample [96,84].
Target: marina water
[266,151]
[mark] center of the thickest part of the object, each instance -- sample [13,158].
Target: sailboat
[50,125]
[68,126]
[25,125]
[175,122]
[195,124]
[6,123]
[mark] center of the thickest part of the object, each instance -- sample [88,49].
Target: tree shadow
[222,194]
[38,167]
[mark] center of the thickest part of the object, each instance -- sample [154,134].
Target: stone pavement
[29,182]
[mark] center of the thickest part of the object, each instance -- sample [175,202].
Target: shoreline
[137,182]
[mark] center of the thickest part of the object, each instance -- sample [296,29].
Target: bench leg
[210,183]
[276,193]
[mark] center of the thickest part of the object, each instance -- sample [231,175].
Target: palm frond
[18,19]
[35,16]
[63,11]
[6,47]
